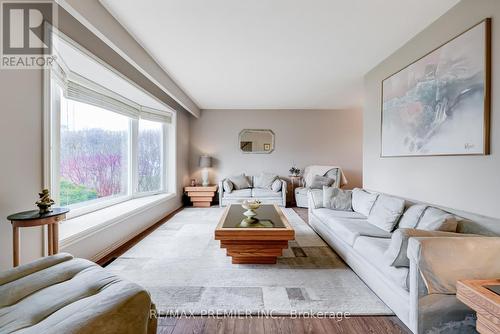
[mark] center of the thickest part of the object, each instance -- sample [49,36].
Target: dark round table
[34,218]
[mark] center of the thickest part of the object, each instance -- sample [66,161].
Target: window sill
[82,226]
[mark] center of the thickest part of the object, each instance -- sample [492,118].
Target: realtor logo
[26,37]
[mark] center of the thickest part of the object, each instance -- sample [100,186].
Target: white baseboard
[108,250]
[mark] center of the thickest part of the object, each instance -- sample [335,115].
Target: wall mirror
[256,141]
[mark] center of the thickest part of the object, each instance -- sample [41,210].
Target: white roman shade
[76,92]
[80,89]
[155,115]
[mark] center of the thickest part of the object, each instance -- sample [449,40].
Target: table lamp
[205,163]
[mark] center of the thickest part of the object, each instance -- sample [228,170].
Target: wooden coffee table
[249,244]
[486,303]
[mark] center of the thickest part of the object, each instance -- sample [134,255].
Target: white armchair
[333,172]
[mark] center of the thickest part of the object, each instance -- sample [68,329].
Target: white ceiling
[273,54]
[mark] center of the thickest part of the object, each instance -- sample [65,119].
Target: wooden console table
[295,182]
[201,196]
[34,218]
[485,302]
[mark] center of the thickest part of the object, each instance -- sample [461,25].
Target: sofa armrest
[23,270]
[284,191]
[442,261]
[221,191]
[310,200]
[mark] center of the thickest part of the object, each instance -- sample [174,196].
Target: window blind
[76,92]
[80,89]
[150,114]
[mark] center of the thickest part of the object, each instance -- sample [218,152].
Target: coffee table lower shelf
[254,251]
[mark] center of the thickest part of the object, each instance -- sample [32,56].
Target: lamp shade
[205,161]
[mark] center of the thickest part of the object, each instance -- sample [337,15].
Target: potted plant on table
[294,171]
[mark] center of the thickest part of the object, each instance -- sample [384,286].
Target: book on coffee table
[494,288]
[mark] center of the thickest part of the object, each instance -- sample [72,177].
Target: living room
[262,167]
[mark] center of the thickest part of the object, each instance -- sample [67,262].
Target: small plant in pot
[294,171]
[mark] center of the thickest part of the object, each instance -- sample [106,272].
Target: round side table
[34,218]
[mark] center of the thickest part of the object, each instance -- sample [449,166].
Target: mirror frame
[258,130]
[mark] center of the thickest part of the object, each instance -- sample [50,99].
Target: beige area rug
[186,271]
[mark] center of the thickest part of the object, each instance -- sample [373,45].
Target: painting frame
[486,95]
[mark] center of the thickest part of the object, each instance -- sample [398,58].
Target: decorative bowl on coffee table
[250,214]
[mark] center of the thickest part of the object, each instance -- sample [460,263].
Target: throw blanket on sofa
[311,171]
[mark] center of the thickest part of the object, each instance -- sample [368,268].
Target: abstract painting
[439,105]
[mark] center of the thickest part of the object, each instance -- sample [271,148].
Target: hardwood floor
[262,325]
[281,325]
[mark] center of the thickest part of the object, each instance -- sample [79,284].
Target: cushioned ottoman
[62,294]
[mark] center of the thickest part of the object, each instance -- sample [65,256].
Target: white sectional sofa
[265,195]
[422,296]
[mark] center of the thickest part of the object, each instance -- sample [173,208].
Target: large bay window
[149,156]
[105,148]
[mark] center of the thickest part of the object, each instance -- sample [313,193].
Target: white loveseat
[265,195]
[422,294]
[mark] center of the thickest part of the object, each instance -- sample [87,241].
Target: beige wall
[21,171]
[303,137]
[468,183]
[21,152]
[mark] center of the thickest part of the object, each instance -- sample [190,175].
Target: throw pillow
[412,216]
[228,186]
[396,253]
[386,212]
[276,186]
[265,180]
[320,181]
[446,223]
[337,199]
[434,219]
[362,201]
[240,181]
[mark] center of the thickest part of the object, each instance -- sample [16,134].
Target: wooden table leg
[50,237]
[55,238]
[15,245]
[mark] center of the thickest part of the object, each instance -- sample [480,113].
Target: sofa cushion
[434,219]
[227,185]
[242,193]
[362,201]
[446,223]
[326,214]
[60,294]
[264,180]
[262,193]
[412,216]
[349,229]
[276,186]
[319,182]
[337,199]
[386,212]
[240,181]
[373,250]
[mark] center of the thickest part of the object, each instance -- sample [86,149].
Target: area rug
[187,272]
